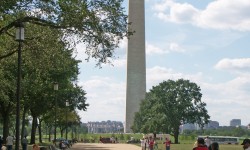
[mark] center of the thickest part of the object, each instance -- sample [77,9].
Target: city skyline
[205,42]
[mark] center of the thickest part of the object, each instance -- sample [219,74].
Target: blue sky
[204,41]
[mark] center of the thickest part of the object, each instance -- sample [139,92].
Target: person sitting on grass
[35,147]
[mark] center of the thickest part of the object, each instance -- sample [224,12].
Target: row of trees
[222,131]
[52,30]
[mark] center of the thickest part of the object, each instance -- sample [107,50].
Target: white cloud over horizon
[220,14]
[236,65]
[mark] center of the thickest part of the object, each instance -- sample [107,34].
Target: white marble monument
[136,65]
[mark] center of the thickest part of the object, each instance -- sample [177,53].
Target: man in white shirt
[246,144]
[9,142]
[208,141]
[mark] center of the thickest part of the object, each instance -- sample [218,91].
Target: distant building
[235,122]
[105,127]
[189,126]
[212,125]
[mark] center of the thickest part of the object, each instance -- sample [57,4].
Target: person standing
[1,142]
[24,143]
[143,145]
[246,144]
[214,146]
[200,145]
[151,143]
[208,141]
[9,142]
[167,143]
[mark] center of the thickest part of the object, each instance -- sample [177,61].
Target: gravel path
[99,146]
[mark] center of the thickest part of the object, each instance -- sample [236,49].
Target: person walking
[246,144]
[167,143]
[24,143]
[9,142]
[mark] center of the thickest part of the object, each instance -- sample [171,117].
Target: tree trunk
[33,130]
[176,134]
[61,130]
[40,131]
[23,122]
[6,121]
[49,133]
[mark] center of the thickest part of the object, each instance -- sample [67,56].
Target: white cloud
[171,47]
[157,74]
[236,65]
[106,97]
[152,49]
[219,14]
[176,47]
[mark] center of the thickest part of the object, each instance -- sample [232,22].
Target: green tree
[99,24]
[169,105]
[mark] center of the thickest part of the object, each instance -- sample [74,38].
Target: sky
[204,41]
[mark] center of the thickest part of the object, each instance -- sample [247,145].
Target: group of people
[10,142]
[151,143]
[207,144]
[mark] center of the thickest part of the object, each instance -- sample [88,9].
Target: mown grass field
[190,147]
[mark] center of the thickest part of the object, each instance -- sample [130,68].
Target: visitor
[9,142]
[208,141]
[24,143]
[214,146]
[200,145]
[246,144]
[35,147]
[167,143]
[143,144]
[151,143]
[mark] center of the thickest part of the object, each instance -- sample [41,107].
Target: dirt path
[98,146]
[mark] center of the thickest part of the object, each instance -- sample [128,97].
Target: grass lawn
[190,147]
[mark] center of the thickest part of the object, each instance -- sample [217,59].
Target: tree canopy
[169,105]
[99,24]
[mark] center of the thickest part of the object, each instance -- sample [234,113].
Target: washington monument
[136,68]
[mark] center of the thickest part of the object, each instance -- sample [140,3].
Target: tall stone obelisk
[136,61]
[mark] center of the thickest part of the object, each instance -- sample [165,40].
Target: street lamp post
[19,38]
[67,104]
[55,89]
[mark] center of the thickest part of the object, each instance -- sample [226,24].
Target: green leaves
[168,105]
[99,24]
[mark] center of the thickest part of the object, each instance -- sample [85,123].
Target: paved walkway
[99,146]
